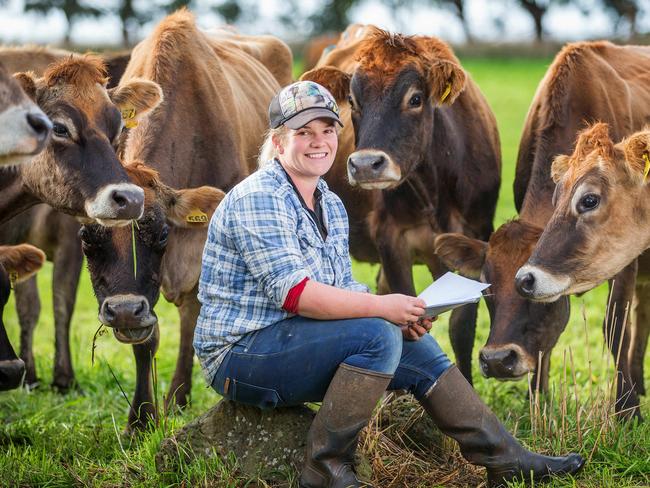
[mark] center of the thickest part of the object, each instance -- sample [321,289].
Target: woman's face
[309,151]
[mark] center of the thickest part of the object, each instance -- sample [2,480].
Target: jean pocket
[256,396]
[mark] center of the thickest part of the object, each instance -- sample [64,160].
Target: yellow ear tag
[446,93]
[13,277]
[128,114]
[646,170]
[196,217]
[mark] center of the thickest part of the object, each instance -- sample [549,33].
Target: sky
[484,16]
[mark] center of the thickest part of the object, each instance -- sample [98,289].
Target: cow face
[600,220]
[392,93]
[520,330]
[126,263]
[24,128]
[79,172]
[17,263]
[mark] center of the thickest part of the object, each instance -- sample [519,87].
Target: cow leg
[462,330]
[28,307]
[617,337]
[68,259]
[396,266]
[640,332]
[143,409]
[181,386]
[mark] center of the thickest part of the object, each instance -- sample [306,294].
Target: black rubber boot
[332,440]
[459,413]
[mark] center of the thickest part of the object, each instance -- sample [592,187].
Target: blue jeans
[293,361]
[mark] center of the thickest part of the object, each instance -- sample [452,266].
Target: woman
[283,322]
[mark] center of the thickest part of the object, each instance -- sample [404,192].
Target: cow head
[520,329]
[128,264]
[601,217]
[17,263]
[79,172]
[391,92]
[24,128]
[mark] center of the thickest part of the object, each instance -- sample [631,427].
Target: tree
[72,9]
[537,9]
[624,9]
[130,17]
[332,17]
[233,11]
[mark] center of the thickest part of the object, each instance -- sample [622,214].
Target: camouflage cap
[299,103]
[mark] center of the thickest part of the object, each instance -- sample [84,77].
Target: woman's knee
[381,345]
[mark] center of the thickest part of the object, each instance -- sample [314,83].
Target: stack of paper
[451,291]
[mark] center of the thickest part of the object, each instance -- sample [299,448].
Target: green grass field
[51,440]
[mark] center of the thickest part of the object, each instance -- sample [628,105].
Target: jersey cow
[16,264]
[217,88]
[420,152]
[586,82]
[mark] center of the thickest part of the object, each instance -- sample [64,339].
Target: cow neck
[14,197]
[424,200]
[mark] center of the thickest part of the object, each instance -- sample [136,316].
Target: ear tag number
[646,170]
[196,216]
[128,114]
[446,93]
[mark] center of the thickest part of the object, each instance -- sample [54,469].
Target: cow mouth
[378,184]
[134,335]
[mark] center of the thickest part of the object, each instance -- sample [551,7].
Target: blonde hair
[268,150]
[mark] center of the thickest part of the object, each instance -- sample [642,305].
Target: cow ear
[27,81]
[335,80]
[447,80]
[193,207]
[135,98]
[559,167]
[461,253]
[21,261]
[636,151]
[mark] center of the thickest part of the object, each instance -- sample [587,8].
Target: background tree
[72,9]
[237,11]
[332,16]
[624,10]
[131,18]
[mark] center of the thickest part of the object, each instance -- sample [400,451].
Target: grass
[47,439]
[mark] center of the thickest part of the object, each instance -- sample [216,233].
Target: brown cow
[79,172]
[55,233]
[16,264]
[422,145]
[217,89]
[24,128]
[587,81]
[318,47]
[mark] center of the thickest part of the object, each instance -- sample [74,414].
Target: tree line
[331,16]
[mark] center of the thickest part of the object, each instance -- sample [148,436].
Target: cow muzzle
[116,204]
[507,362]
[536,284]
[130,317]
[25,133]
[373,170]
[12,373]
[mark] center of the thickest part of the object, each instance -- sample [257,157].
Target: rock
[262,441]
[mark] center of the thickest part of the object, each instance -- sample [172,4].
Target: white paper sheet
[451,291]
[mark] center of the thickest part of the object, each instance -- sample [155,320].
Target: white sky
[561,23]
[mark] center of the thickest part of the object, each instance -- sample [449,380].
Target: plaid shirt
[261,243]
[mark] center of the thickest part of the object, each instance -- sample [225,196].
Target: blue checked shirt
[261,243]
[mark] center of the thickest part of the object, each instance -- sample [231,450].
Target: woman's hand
[401,309]
[413,331]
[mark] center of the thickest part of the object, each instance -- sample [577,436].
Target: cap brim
[303,118]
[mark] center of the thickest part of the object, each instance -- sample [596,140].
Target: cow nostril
[108,312]
[352,166]
[120,199]
[139,309]
[510,359]
[377,164]
[526,283]
[40,123]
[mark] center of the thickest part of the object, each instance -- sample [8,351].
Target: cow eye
[164,236]
[588,202]
[415,101]
[351,102]
[60,130]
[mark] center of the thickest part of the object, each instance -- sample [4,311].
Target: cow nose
[372,164]
[40,123]
[12,372]
[124,312]
[499,363]
[525,283]
[128,203]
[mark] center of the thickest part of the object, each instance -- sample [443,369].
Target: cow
[317,47]
[16,264]
[24,128]
[79,172]
[217,89]
[587,81]
[419,155]
[53,232]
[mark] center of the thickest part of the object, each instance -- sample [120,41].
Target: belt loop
[226,385]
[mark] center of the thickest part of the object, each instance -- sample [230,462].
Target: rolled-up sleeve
[263,229]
